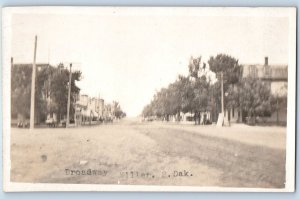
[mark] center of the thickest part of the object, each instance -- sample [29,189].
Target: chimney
[266,61]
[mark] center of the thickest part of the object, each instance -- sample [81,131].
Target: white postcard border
[192,11]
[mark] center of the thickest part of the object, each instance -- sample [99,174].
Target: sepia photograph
[149,98]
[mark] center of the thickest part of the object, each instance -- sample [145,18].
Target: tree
[232,73]
[178,96]
[228,65]
[42,91]
[187,94]
[117,111]
[197,92]
[201,99]
[201,83]
[20,91]
[59,91]
[194,66]
[164,103]
[256,98]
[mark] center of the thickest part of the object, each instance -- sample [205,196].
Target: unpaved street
[155,153]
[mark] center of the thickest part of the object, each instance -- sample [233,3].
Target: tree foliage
[198,93]
[20,90]
[256,98]
[186,94]
[117,110]
[51,83]
[232,76]
[194,66]
[228,65]
[59,91]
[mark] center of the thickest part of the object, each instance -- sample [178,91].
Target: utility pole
[222,119]
[33,86]
[69,97]
[222,93]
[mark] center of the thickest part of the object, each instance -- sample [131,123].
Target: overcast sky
[127,58]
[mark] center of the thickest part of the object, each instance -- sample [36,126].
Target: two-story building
[276,77]
[89,109]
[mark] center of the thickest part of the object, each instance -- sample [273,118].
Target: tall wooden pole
[32,102]
[69,97]
[222,93]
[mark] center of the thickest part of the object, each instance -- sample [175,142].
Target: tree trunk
[178,116]
[240,116]
[249,117]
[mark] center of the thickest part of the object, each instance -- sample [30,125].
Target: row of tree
[51,83]
[117,110]
[200,91]
[51,92]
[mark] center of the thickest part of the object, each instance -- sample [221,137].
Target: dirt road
[131,152]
